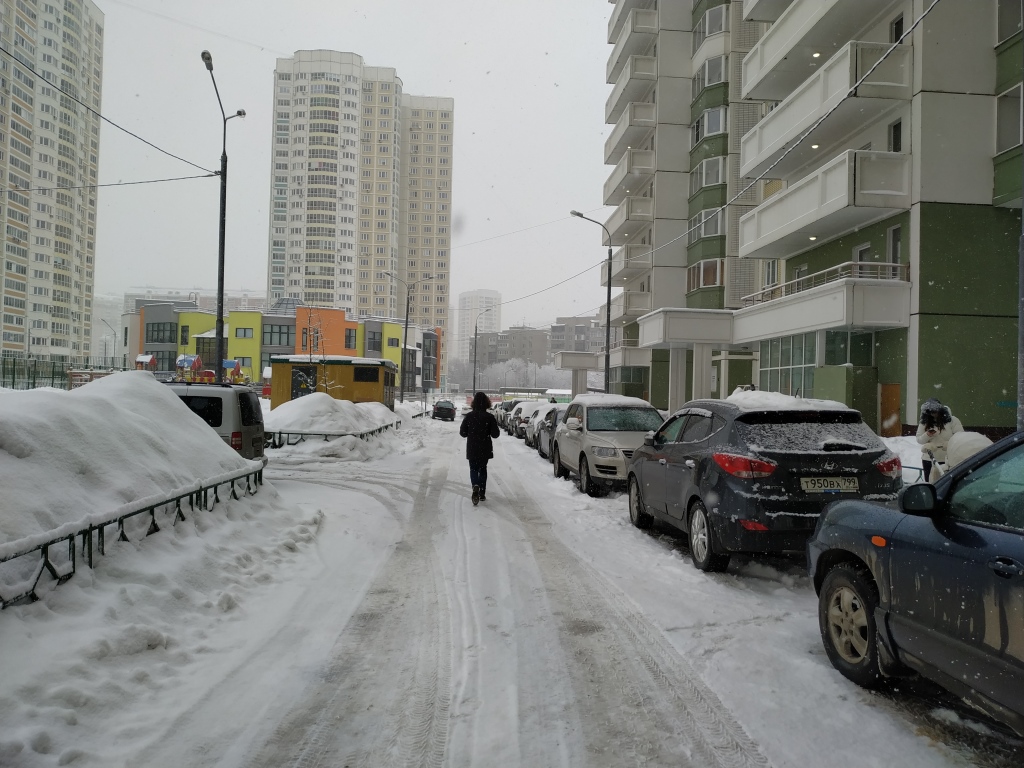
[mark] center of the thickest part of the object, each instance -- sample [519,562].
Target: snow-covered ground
[359,610]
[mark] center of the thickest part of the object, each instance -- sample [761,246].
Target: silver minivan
[232,410]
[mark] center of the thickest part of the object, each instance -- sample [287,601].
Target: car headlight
[606,453]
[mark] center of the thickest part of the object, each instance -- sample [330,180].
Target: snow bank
[754,400]
[319,412]
[66,455]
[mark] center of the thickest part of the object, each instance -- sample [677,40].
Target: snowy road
[539,629]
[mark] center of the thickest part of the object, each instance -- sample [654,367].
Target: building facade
[361,191]
[478,311]
[51,74]
[871,184]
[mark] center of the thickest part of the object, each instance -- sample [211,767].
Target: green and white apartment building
[867,249]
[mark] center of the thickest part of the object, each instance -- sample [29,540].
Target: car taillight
[744,466]
[236,440]
[890,467]
[753,525]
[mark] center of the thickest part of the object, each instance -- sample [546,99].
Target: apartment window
[862,252]
[245,362]
[1009,21]
[707,173]
[392,341]
[161,333]
[243,333]
[374,340]
[279,335]
[709,273]
[712,72]
[896,136]
[711,122]
[350,338]
[896,29]
[706,224]
[1008,120]
[184,335]
[894,240]
[787,365]
[771,273]
[714,22]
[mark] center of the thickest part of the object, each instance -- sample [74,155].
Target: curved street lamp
[405,334]
[608,303]
[208,61]
[476,334]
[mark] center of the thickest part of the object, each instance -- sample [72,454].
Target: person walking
[936,426]
[478,427]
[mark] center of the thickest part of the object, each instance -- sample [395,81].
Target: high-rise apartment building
[361,190]
[51,71]
[871,256]
[478,310]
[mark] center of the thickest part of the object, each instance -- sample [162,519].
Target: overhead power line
[114,183]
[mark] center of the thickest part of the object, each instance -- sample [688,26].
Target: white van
[233,411]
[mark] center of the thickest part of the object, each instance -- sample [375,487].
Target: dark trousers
[478,473]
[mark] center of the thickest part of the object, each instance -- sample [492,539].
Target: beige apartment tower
[50,90]
[361,190]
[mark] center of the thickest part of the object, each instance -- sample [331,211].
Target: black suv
[935,586]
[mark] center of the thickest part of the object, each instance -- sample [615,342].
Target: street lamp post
[405,334]
[208,61]
[476,334]
[608,303]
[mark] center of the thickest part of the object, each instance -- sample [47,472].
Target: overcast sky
[528,82]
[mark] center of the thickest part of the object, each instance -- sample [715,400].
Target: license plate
[829,484]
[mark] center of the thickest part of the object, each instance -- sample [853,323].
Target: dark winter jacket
[478,428]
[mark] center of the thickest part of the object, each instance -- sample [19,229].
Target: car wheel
[638,514]
[587,484]
[560,471]
[702,542]
[846,617]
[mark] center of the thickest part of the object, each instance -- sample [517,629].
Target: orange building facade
[323,331]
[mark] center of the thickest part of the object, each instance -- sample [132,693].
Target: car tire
[702,542]
[556,459]
[587,484]
[846,618]
[638,514]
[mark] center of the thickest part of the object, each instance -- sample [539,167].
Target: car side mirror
[649,438]
[918,499]
[573,423]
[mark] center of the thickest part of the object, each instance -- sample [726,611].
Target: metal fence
[23,373]
[56,552]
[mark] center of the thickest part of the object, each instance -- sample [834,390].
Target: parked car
[444,409]
[546,428]
[752,473]
[533,425]
[526,414]
[504,408]
[935,586]
[232,410]
[597,438]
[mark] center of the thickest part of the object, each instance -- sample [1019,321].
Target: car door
[569,439]
[653,471]
[682,463]
[958,581]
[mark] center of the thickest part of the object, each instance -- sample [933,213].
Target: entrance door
[889,410]
[303,380]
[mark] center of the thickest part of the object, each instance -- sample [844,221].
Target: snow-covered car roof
[753,400]
[620,400]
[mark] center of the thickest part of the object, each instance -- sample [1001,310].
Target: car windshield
[621,418]
[806,431]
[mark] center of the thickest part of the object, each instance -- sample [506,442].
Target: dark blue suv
[933,585]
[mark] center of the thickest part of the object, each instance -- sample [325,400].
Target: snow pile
[67,455]
[754,400]
[319,412]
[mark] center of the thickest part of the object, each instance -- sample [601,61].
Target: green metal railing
[47,546]
[24,373]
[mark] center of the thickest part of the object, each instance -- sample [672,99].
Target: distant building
[477,309]
[577,334]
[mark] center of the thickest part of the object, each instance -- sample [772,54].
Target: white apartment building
[361,190]
[478,310]
[51,72]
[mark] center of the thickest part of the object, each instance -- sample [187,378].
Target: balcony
[785,56]
[577,361]
[631,214]
[636,121]
[669,328]
[853,190]
[626,353]
[858,270]
[637,36]
[621,13]
[857,304]
[638,76]
[764,10]
[628,263]
[635,169]
[629,304]
[827,87]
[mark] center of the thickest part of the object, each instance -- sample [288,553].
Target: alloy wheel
[848,625]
